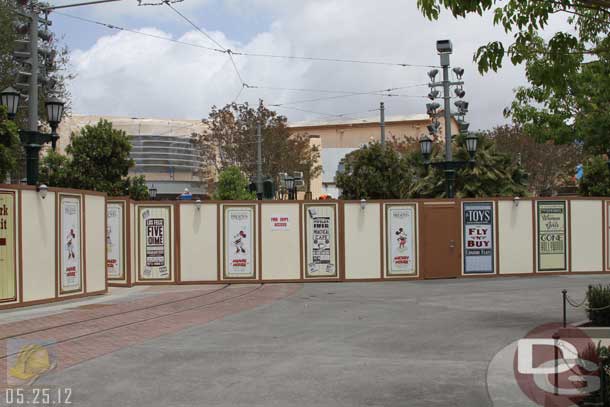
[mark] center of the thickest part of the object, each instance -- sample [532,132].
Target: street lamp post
[33,140]
[449,166]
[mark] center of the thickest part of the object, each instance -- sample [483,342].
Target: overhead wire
[244,85]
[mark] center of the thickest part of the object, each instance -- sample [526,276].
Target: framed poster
[8,270]
[70,246]
[401,240]
[552,254]
[239,236]
[479,244]
[115,241]
[155,250]
[320,241]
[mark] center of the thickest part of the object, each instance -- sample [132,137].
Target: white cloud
[127,74]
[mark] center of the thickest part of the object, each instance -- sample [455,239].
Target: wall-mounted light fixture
[198,204]
[363,204]
[42,190]
[516,201]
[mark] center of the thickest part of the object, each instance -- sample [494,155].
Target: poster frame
[14,194]
[254,207]
[123,241]
[307,275]
[606,218]
[565,231]
[83,271]
[169,277]
[494,215]
[415,273]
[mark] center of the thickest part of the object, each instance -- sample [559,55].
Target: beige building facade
[337,139]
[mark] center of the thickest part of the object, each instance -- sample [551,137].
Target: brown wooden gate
[441,244]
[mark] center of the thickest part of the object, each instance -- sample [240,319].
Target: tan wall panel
[39,238]
[362,244]
[198,243]
[95,242]
[587,236]
[133,233]
[515,245]
[280,249]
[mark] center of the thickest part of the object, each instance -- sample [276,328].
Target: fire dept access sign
[478,238]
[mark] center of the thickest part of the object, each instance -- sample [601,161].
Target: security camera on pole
[449,166]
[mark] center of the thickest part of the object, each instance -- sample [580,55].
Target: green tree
[10,147]
[230,140]
[374,172]
[233,186]
[549,165]
[97,159]
[569,98]
[493,174]
[596,178]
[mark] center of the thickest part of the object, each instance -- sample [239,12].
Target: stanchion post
[556,349]
[564,293]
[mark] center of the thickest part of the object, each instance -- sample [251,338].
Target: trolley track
[139,321]
[144,308]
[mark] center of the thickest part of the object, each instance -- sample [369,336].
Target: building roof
[372,121]
[134,126]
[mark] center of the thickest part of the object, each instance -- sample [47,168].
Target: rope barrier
[573,303]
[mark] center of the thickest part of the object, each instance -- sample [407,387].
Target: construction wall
[51,248]
[281,241]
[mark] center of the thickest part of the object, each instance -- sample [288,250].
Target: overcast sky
[126,74]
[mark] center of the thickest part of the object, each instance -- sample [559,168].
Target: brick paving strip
[79,335]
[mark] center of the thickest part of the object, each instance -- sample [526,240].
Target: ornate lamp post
[34,140]
[449,166]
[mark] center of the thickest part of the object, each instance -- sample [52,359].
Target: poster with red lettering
[239,243]
[478,238]
[70,241]
[400,243]
[280,223]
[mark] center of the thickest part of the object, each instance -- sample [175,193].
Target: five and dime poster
[400,240]
[478,238]
[70,244]
[114,241]
[320,241]
[7,247]
[155,238]
[552,236]
[239,242]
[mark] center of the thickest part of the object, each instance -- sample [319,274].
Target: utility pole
[259,162]
[382,122]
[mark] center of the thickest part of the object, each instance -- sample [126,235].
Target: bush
[599,297]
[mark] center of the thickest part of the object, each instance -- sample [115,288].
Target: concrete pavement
[421,343]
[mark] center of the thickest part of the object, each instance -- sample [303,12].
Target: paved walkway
[425,343]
